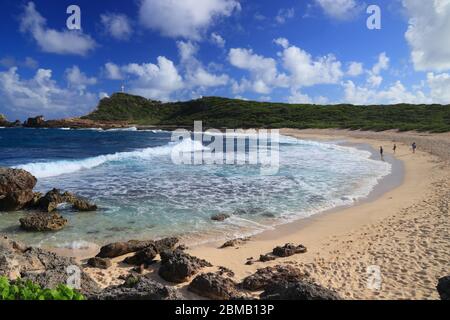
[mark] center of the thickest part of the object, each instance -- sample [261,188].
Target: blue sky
[303,51]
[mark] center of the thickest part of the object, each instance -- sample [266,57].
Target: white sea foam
[56,168]
[131,129]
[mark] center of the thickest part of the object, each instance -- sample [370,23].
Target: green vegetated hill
[231,113]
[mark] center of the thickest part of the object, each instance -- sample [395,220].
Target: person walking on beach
[414,147]
[395,148]
[382,152]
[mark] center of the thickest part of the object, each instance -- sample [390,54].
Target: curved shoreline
[386,183]
[381,231]
[281,232]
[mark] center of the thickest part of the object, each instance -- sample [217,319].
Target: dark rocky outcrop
[288,250]
[166,244]
[143,257]
[16,189]
[443,288]
[234,242]
[99,263]
[267,257]
[213,286]
[42,222]
[83,205]
[16,193]
[52,199]
[301,290]
[138,288]
[272,275]
[36,122]
[43,267]
[178,266]
[117,249]
[220,217]
[5,123]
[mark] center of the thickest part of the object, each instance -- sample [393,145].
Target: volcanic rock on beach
[45,268]
[16,189]
[178,266]
[288,250]
[43,222]
[213,286]
[272,275]
[234,242]
[143,257]
[443,288]
[301,290]
[99,263]
[117,249]
[141,288]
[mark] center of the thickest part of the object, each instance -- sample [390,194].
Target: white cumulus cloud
[184,18]
[78,79]
[285,14]
[117,25]
[340,9]
[41,94]
[218,40]
[428,34]
[49,40]
[355,69]
[154,81]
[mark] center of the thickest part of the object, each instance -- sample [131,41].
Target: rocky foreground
[173,265]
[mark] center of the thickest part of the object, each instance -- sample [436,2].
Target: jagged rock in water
[213,286]
[140,288]
[177,266]
[270,275]
[443,288]
[83,205]
[301,290]
[16,189]
[43,222]
[288,250]
[220,217]
[52,199]
[99,263]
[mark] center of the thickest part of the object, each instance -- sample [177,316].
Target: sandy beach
[401,230]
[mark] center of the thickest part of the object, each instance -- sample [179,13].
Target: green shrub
[27,290]
[216,112]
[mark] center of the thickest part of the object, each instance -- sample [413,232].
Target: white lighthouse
[123,89]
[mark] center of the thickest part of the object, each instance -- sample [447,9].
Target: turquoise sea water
[143,194]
